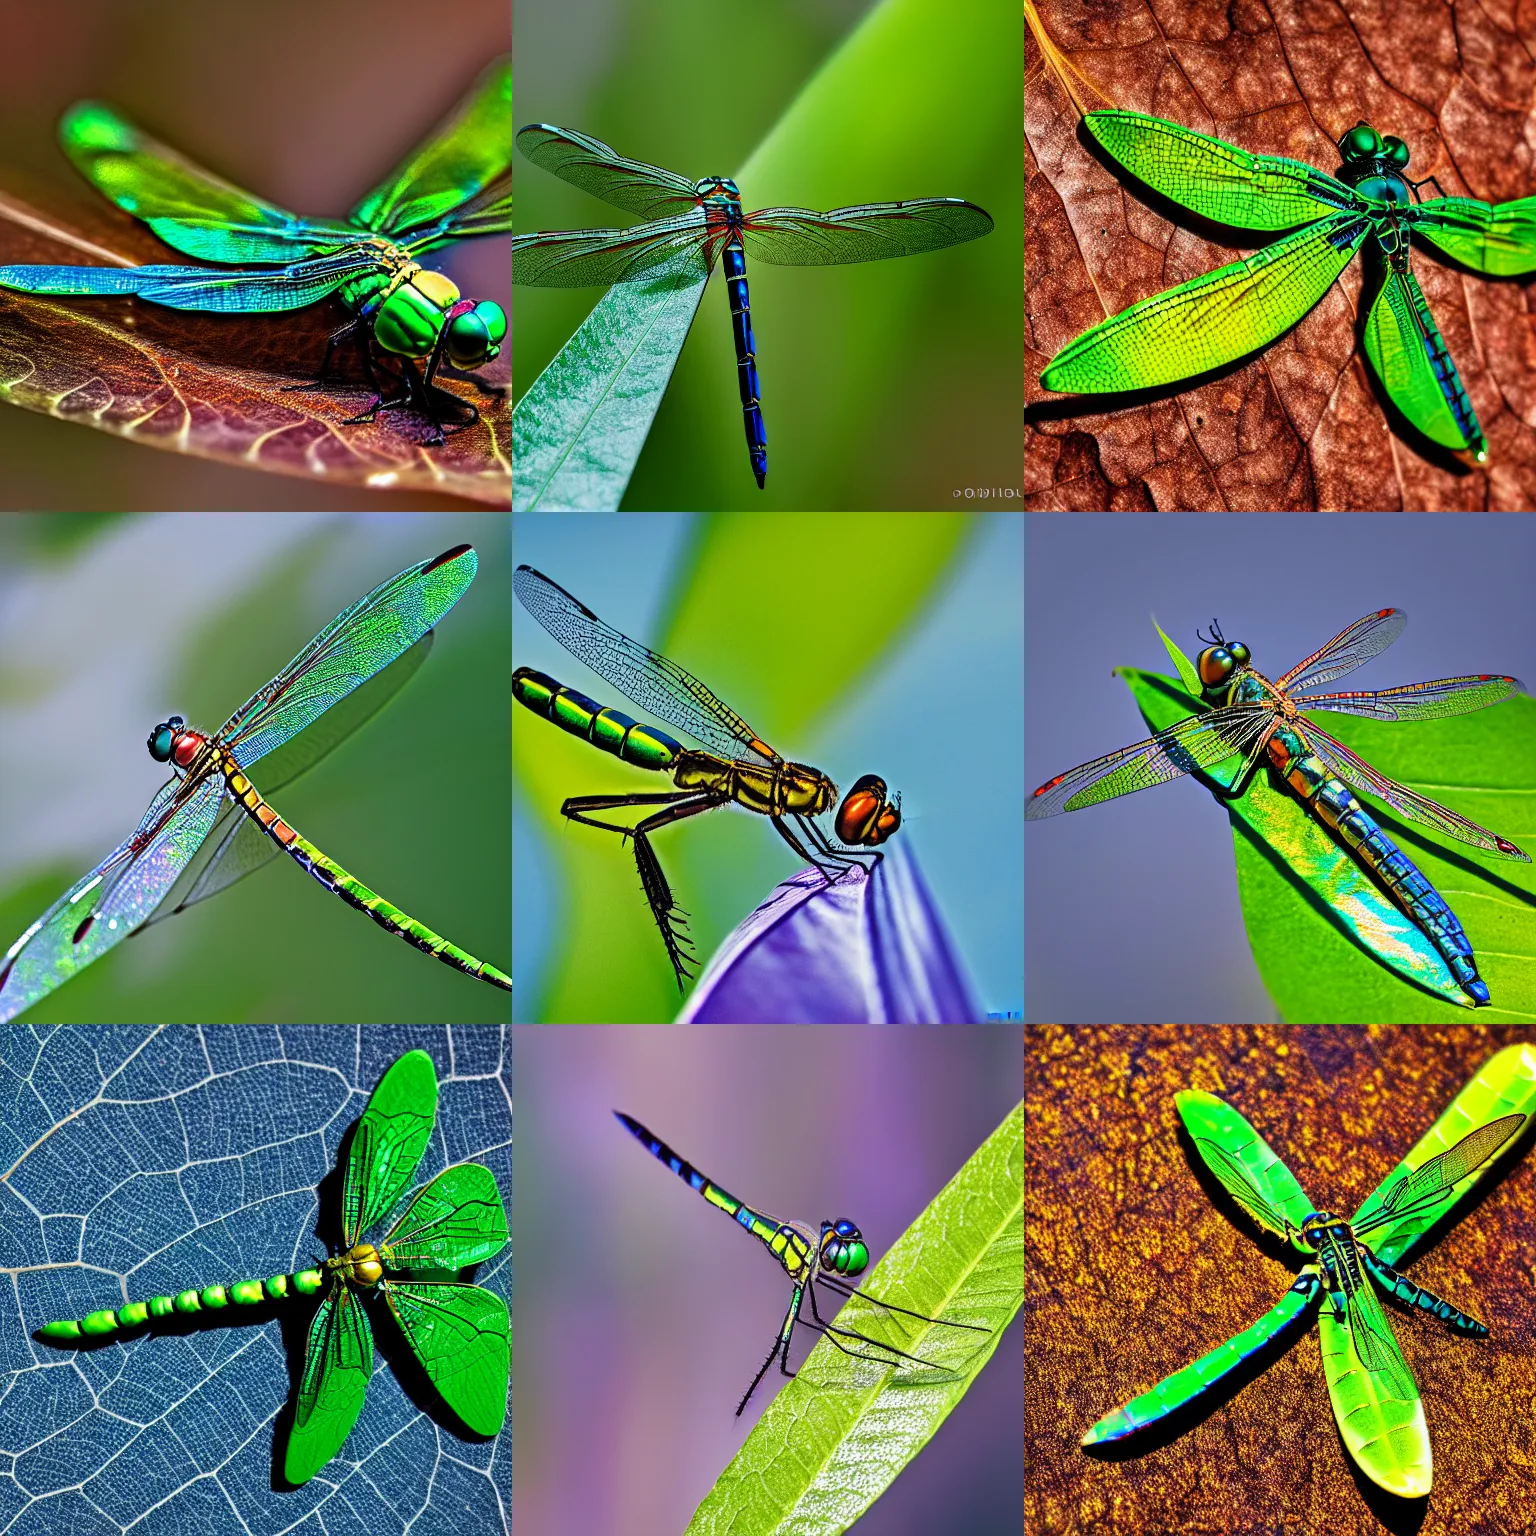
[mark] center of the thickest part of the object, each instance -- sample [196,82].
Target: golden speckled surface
[1137,1263]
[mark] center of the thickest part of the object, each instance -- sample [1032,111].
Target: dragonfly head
[1318,1224]
[842,1248]
[1220,658]
[718,188]
[1374,163]
[866,817]
[170,739]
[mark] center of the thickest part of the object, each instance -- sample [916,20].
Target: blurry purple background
[640,1312]
[307,105]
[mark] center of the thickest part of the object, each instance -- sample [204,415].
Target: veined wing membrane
[797,237]
[455,1221]
[461,1336]
[1436,700]
[1350,648]
[598,258]
[1199,741]
[1244,1162]
[1210,320]
[1499,239]
[1219,180]
[592,166]
[338,1361]
[388,1143]
[1359,774]
[1377,1347]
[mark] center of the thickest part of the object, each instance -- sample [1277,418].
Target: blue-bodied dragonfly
[1259,720]
[810,1258]
[694,223]
[742,769]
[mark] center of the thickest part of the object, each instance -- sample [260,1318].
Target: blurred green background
[886,385]
[110,624]
[308,105]
[858,643]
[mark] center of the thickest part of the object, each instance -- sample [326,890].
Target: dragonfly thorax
[360,1264]
[842,1248]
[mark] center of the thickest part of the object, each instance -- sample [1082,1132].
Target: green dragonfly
[1375,1400]
[1214,319]
[809,1258]
[456,185]
[345,674]
[460,1333]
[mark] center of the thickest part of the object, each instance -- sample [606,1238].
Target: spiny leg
[658,894]
[779,1352]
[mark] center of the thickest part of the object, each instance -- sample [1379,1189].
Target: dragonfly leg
[845,856]
[780,1350]
[834,1333]
[830,854]
[890,1306]
[658,894]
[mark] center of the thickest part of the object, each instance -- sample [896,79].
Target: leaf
[1302,426]
[213,385]
[836,1437]
[1299,924]
[146,1160]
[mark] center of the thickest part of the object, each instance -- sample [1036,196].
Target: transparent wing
[186,206]
[455,1221]
[598,258]
[1498,239]
[796,237]
[1359,775]
[1200,741]
[1245,1164]
[338,1361]
[465,162]
[590,164]
[461,1335]
[388,1143]
[1438,700]
[1186,1384]
[1348,649]
[660,686]
[1217,179]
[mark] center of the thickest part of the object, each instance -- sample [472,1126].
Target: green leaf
[834,1439]
[1329,943]
[1187,673]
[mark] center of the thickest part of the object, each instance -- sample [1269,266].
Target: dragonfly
[459,1332]
[456,185]
[740,767]
[1214,319]
[810,1258]
[1260,720]
[340,679]
[692,224]
[1375,1399]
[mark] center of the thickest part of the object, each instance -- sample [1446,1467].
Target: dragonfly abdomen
[244,1293]
[609,730]
[1337,807]
[734,264]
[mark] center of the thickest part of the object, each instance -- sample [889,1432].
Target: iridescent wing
[1245,1164]
[648,679]
[459,182]
[1184,1385]
[1218,180]
[797,237]
[681,246]
[1198,741]
[130,883]
[1359,775]
[461,1335]
[1498,239]
[390,1138]
[187,207]
[338,1361]
[455,1221]
[590,164]
[1348,649]
[1439,700]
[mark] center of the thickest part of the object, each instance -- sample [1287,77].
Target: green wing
[455,1221]
[390,1138]
[1375,1401]
[1480,1120]
[1411,359]
[1245,1164]
[1499,239]
[1217,179]
[461,1336]
[186,206]
[338,1360]
[1210,320]
[457,184]
[1184,1385]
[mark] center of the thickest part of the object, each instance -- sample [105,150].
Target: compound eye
[1394,151]
[1362,142]
[1240,653]
[1215,665]
[475,337]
